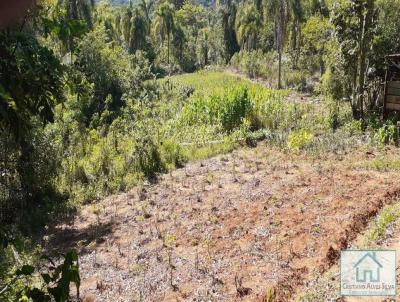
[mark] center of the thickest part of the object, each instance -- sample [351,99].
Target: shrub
[228,109]
[172,155]
[34,277]
[386,134]
[147,156]
[353,127]
[297,140]
[255,63]
[235,107]
[296,79]
[331,85]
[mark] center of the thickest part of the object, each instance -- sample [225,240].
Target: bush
[172,155]
[295,79]
[331,85]
[255,63]
[297,140]
[148,157]
[227,110]
[387,134]
[234,108]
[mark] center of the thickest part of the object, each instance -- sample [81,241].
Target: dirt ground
[253,224]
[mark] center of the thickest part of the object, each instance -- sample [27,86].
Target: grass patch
[378,228]
[198,152]
[381,164]
[327,286]
[206,83]
[187,117]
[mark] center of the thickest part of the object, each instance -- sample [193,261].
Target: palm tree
[165,23]
[227,10]
[146,8]
[79,10]
[126,23]
[296,11]
[72,18]
[138,32]
[278,10]
[203,45]
[178,42]
[134,28]
[247,25]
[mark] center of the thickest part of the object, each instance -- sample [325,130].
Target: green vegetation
[207,82]
[379,227]
[96,98]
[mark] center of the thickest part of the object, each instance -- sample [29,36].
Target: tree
[316,36]
[227,10]
[146,8]
[296,12]
[278,10]
[165,23]
[138,32]
[78,10]
[177,3]
[71,18]
[31,84]
[387,38]
[247,25]
[134,29]
[178,42]
[192,19]
[318,7]
[126,23]
[355,24]
[107,67]
[203,45]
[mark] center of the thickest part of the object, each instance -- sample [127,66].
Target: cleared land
[252,225]
[228,228]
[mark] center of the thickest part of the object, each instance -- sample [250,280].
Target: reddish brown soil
[227,229]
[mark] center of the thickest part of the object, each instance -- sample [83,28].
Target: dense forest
[89,105]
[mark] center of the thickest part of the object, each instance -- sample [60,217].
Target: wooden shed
[392,85]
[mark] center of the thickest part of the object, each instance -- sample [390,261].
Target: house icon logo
[368,268]
[368,273]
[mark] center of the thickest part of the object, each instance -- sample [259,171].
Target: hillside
[239,225]
[186,151]
[253,224]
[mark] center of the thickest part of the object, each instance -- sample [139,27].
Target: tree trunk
[366,20]
[354,99]
[280,23]
[361,80]
[294,43]
[321,65]
[26,170]
[361,63]
[279,68]
[168,48]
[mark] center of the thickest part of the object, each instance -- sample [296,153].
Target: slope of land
[238,227]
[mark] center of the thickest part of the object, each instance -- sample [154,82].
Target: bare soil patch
[231,228]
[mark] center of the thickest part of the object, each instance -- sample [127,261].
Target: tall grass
[192,116]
